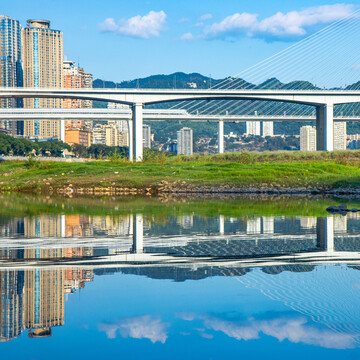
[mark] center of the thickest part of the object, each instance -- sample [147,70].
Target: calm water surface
[178,279]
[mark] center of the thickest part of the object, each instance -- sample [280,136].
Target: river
[178,278]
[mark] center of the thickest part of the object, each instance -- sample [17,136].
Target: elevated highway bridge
[323,101]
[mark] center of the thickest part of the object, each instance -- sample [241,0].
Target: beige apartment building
[110,135]
[81,137]
[75,78]
[72,79]
[43,67]
[114,137]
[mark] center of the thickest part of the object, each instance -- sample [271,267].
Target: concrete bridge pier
[137,122]
[325,234]
[62,130]
[138,234]
[325,127]
[131,140]
[221,224]
[221,137]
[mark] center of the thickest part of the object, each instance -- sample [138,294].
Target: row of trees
[99,151]
[22,147]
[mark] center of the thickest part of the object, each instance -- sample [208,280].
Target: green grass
[23,205]
[283,169]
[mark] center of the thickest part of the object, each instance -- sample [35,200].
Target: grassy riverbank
[322,171]
[25,205]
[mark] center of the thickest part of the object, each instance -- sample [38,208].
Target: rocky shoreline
[165,188]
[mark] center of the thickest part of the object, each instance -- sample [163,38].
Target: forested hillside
[181,80]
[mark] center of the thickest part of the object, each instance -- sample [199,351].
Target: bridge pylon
[221,137]
[325,127]
[137,123]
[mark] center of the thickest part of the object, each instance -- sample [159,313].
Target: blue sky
[122,40]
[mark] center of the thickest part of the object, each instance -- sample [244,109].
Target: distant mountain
[355,86]
[177,80]
[180,80]
[299,85]
[272,83]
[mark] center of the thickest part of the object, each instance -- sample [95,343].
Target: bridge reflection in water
[130,240]
[42,259]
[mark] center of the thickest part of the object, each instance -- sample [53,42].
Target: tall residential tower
[43,67]
[11,73]
[185,141]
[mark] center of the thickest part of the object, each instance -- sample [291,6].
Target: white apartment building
[307,138]
[267,128]
[147,136]
[253,128]
[185,141]
[339,135]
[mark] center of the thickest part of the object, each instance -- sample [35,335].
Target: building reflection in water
[33,298]
[11,299]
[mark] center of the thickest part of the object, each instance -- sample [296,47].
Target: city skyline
[113,41]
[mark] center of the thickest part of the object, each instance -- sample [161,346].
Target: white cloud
[108,25]
[237,23]
[186,37]
[280,25]
[139,327]
[143,27]
[205,17]
[184,20]
[356,67]
[187,316]
[295,329]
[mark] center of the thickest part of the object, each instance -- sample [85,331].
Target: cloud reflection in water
[139,327]
[295,329]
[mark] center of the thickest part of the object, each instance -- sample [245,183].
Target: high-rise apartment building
[75,78]
[185,141]
[147,136]
[11,72]
[11,301]
[260,128]
[72,79]
[109,135]
[308,138]
[88,84]
[43,296]
[253,128]
[268,224]
[43,67]
[267,128]
[339,135]
[253,226]
[121,124]
[113,137]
